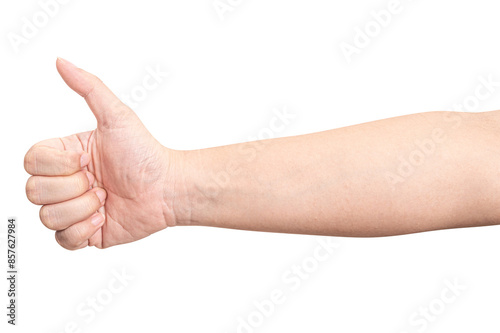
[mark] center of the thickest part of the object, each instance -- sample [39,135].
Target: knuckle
[30,161]
[48,217]
[82,182]
[69,164]
[33,190]
[93,202]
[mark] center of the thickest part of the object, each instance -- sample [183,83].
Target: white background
[225,78]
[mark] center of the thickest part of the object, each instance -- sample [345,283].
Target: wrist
[202,183]
[181,188]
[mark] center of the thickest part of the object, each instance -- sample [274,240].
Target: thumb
[107,108]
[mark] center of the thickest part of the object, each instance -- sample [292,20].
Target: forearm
[400,175]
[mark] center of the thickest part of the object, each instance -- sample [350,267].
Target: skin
[117,184]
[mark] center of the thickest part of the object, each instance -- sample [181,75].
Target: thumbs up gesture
[109,186]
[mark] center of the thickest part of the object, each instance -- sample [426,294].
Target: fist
[104,187]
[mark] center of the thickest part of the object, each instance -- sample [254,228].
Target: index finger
[43,160]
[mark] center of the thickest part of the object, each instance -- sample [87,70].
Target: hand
[109,186]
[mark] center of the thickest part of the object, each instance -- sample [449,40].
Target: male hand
[104,187]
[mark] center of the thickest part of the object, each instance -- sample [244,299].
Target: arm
[117,184]
[413,173]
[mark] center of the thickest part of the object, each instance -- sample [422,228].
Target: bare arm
[420,172]
[117,184]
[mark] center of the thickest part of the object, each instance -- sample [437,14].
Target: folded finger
[76,236]
[62,215]
[43,160]
[42,190]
